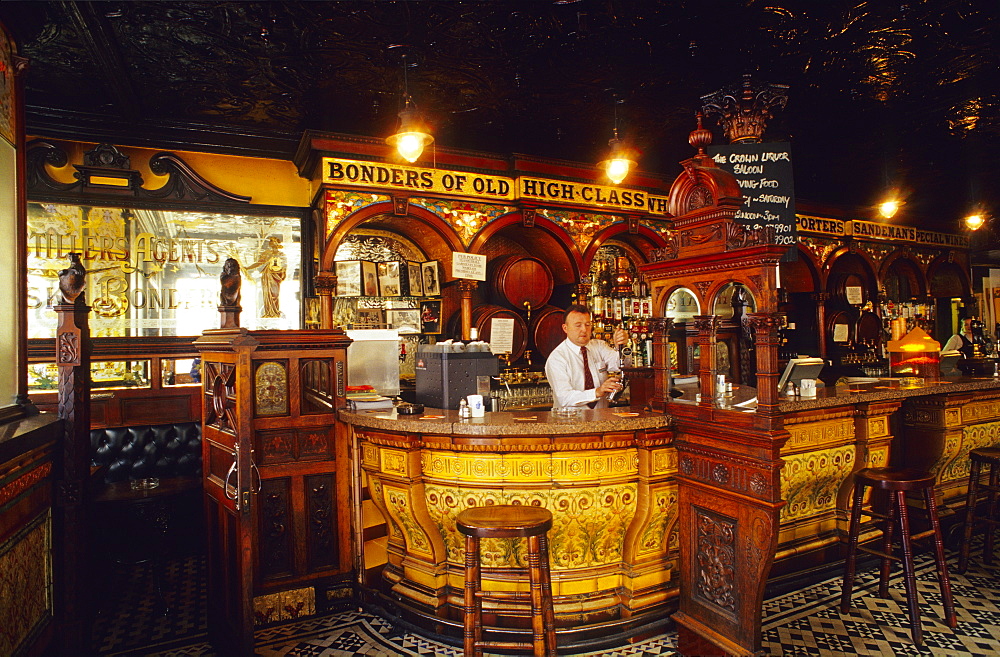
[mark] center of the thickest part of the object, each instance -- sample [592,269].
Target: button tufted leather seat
[163,450]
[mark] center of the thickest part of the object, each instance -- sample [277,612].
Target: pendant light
[411,138]
[619,161]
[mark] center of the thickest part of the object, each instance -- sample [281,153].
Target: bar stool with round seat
[989,456]
[508,521]
[897,482]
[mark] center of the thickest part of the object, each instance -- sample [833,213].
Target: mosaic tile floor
[804,622]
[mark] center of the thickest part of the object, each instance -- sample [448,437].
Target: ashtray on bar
[147,483]
[567,412]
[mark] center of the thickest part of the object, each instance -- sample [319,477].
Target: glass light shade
[975,221]
[617,170]
[410,145]
[618,163]
[411,139]
[888,209]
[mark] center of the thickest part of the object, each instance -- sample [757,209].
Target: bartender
[577,369]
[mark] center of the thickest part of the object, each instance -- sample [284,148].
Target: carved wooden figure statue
[231,281]
[229,295]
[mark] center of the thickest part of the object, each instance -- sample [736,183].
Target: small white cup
[476,405]
[807,388]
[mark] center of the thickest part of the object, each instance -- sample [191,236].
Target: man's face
[577,328]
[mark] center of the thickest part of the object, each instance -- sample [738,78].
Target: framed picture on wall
[369,318]
[349,278]
[430,275]
[371,279]
[415,287]
[405,320]
[389,282]
[430,317]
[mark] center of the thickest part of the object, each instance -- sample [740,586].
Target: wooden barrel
[546,329]
[517,279]
[482,318]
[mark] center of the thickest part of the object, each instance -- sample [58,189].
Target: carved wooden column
[765,326]
[73,349]
[662,379]
[325,283]
[466,287]
[821,298]
[708,328]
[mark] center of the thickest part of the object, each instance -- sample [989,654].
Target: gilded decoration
[25,585]
[715,559]
[466,218]
[976,412]
[340,205]
[589,523]
[972,437]
[819,248]
[660,536]
[580,227]
[284,606]
[664,461]
[810,481]
[393,462]
[875,250]
[817,434]
[397,502]
[271,388]
[523,468]
[878,426]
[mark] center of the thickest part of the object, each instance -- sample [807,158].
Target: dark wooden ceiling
[880,93]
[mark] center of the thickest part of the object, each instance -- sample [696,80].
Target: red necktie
[588,377]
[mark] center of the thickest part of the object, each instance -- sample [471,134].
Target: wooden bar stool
[897,482]
[989,456]
[508,521]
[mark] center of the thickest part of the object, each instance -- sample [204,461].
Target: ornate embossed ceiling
[879,92]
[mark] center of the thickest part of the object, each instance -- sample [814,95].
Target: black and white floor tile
[804,622]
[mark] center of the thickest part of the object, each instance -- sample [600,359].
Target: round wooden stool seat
[531,523]
[893,479]
[896,483]
[990,457]
[504,521]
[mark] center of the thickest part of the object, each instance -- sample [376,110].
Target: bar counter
[607,477]
[610,479]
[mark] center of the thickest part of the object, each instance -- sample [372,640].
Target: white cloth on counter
[564,371]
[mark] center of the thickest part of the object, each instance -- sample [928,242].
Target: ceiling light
[619,162]
[411,138]
[888,209]
[975,221]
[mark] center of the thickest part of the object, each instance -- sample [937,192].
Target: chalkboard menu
[764,172]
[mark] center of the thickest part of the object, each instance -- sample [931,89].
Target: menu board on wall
[764,173]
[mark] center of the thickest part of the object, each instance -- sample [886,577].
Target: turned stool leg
[939,560]
[550,615]
[970,514]
[909,579]
[473,605]
[888,530]
[991,514]
[537,594]
[854,529]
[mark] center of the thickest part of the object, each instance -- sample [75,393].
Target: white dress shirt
[564,370]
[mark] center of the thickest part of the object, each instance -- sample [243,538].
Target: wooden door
[228,493]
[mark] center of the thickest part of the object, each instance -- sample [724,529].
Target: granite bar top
[507,423]
[887,389]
